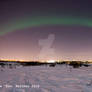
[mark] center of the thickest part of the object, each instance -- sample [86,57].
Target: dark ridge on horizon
[14,64]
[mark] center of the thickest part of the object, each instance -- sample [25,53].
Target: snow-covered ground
[46,79]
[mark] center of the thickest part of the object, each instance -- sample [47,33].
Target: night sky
[24,22]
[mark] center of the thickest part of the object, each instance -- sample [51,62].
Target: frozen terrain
[46,79]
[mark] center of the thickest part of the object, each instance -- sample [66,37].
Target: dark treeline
[13,64]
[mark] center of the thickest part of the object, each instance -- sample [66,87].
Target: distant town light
[51,61]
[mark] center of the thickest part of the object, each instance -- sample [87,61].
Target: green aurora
[23,23]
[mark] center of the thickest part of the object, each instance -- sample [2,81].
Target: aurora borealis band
[24,22]
[34,22]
